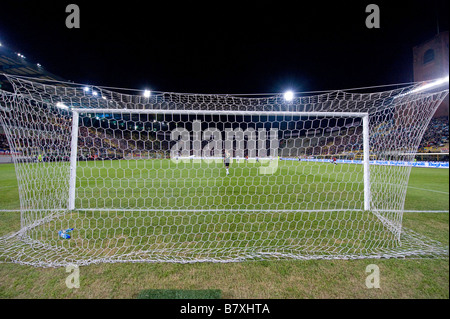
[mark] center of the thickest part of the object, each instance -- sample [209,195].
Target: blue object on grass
[65,233]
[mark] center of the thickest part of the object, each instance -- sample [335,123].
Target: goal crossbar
[209,112]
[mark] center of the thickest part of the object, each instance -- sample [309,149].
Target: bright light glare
[86,89]
[95,93]
[289,95]
[430,85]
[147,93]
[62,106]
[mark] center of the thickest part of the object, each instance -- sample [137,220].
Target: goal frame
[75,128]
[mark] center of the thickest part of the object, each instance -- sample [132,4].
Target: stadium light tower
[289,95]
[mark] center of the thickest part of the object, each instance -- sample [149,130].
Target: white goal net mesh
[106,176]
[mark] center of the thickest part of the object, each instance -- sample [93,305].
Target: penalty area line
[426,211]
[429,190]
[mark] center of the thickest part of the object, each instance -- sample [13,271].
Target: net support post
[73,160]
[366,161]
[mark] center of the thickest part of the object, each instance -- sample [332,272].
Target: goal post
[366,160]
[73,160]
[363,116]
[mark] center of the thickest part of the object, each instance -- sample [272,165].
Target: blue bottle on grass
[65,233]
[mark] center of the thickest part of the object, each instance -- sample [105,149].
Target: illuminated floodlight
[86,89]
[38,65]
[288,95]
[62,106]
[147,93]
[94,93]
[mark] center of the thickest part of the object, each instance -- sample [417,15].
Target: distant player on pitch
[227,161]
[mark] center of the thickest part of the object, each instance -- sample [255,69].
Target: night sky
[223,46]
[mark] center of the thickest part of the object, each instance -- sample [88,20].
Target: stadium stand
[436,136]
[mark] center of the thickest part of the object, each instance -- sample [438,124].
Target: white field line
[426,211]
[1,187]
[429,190]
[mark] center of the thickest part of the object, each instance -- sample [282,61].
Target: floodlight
[147,93]
[289,95]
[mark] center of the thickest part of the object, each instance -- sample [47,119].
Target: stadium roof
[15,63]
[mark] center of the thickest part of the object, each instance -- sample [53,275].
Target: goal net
[107,176]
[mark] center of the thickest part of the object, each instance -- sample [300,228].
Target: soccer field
[281,279]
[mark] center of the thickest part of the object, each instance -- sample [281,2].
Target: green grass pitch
[261,279]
